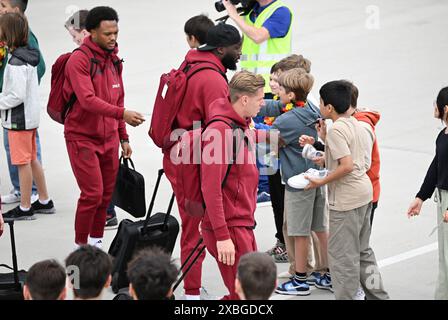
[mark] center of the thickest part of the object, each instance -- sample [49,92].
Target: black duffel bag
[129,193]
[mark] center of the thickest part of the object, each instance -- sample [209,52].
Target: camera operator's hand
[231,9]
[133,118]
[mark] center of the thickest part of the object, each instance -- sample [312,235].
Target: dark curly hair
[99,14]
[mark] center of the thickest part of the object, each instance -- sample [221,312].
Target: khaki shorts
[305,211]
[22,146]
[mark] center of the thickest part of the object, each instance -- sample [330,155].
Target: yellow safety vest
[259,58]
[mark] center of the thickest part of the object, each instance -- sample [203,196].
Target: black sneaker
[18,214]
[111,222]
[43,208]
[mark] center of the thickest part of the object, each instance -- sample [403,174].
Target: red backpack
[58,107]
[171,93]
[188,167]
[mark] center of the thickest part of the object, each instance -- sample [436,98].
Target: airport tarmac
[392,50]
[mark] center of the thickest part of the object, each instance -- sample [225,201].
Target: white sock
[191,297]
[96,242]
[44,202]
[76,247]
[24,209]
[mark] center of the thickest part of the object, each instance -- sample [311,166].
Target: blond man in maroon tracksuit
[228,224]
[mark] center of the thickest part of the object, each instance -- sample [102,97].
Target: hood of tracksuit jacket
[194,56]
[299,121]
[26,54]
[368,116]
[235,205]
[222,108]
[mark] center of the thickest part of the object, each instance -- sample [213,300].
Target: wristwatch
[124,140]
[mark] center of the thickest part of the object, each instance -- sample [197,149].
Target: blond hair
[291,62]
[297,81]
[245,82]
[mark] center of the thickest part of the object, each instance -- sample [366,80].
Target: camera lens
[219,6]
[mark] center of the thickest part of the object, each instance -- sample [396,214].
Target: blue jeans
[13,170]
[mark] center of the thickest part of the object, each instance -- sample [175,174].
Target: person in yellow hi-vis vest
[267,35]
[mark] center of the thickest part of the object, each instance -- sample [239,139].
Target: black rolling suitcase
[11,284]
[159,230]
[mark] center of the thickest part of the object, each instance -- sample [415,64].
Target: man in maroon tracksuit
[223,49]
[228,224]
[95,125]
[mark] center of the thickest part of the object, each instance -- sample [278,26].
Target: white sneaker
[205,295]
[12,197]
[309,152]
[34,197]
[360,295]
[300,182]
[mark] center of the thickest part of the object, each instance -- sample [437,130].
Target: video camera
[244,9]
[246,4]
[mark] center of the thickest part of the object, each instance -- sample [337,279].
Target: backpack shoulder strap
[118,64]
[192,69]
[91,55]
[234,128]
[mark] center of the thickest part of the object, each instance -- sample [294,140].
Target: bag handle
[125,161]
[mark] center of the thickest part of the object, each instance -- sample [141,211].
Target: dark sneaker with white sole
[293,288]
[111,222]
[18,214]
[40,208]
[324,282]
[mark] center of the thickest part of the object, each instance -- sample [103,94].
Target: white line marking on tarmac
[407,255]
[381,264]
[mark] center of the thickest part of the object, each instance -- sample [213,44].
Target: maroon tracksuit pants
[95,167]
[189,237]
[244,241]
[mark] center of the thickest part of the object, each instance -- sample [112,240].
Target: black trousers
[277,192]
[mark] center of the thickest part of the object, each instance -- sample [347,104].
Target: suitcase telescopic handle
[162,225]
[14,254]
[153,198]
[196,257]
